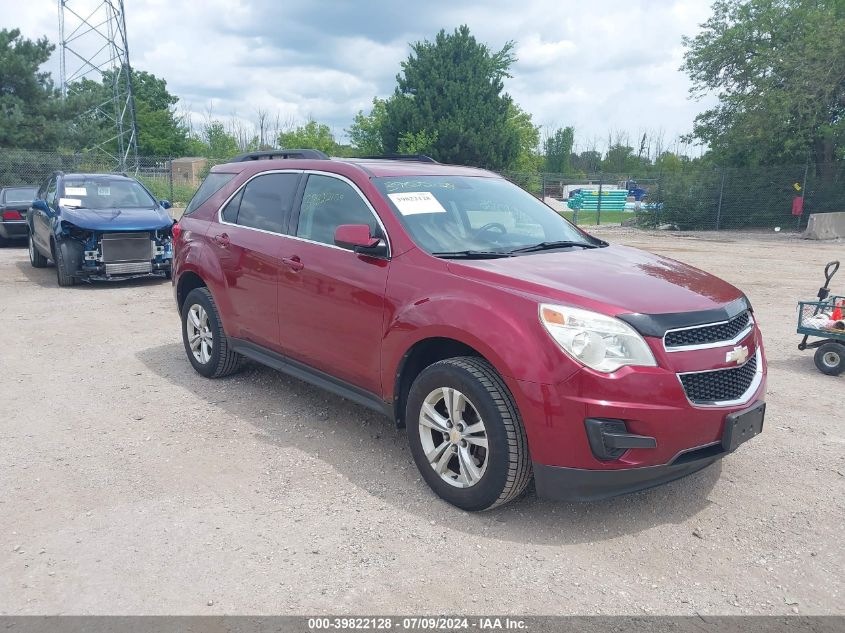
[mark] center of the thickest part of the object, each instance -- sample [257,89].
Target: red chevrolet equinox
[510,343]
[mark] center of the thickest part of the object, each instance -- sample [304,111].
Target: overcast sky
[598,66]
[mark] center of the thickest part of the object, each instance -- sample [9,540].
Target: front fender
[514,343]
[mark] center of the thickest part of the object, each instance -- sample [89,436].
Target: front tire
[35,257]
[830,358]
[64,266]
[205,341]
[466,435]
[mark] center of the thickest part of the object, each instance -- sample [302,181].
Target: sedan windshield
[466,216]
[105,193]
[19,195]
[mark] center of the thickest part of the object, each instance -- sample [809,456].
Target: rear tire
[205,341]
[466,435]
[35,257]
[830,358]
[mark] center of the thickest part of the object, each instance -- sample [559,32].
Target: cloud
[606,65]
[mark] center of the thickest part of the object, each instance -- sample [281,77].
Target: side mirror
[354,235]
[41,206]
[358,238]
[165,204]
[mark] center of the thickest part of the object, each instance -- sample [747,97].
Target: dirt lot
[129,484]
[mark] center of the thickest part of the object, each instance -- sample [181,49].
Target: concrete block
[825,226]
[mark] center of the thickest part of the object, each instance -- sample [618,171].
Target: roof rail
[416,158]
[313,154]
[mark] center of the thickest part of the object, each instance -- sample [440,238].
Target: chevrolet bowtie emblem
[737,354]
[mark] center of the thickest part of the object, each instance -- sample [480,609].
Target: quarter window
[266,202]
[326,204]
[211,185]
[230,211]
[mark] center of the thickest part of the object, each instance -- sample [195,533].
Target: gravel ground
[131,485]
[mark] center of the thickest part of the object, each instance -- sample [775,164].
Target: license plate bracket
[742,426]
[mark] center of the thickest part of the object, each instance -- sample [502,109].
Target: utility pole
[92,36]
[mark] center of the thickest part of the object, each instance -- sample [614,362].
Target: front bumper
[13,229]
[578,484]
[97,271]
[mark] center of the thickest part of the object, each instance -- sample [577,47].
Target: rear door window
[266,202]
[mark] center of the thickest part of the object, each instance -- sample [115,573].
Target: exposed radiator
[127,247]
[129,267]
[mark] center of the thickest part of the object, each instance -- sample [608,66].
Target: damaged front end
[117,255]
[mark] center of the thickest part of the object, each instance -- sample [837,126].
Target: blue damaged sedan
[99,227]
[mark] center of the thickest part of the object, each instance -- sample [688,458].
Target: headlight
[595,340]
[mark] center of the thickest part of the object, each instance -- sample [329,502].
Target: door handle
[294,263]
[222,240]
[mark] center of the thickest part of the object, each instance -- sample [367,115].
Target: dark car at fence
[508,341]
[99,227]
[14,204]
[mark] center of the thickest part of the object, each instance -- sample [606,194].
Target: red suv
[509,342]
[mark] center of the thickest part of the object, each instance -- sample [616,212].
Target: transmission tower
[94,46]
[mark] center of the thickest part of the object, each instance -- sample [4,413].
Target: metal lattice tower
[94,46]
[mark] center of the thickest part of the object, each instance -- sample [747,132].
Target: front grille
[127,247]
[707,334]
[720,385]
[129,267]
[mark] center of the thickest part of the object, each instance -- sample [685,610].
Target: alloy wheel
[453,437]
[200,337]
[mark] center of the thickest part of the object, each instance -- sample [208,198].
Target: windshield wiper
[472,254]
[545,246]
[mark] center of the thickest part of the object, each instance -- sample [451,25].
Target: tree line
[776,66]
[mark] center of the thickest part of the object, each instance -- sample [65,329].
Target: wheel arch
[188,281]
[421,354]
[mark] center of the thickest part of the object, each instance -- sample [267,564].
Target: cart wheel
[830,358]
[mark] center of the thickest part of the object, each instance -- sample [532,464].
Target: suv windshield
[20,195]
[105,193]
[470,215]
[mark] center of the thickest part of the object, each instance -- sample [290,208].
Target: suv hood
[615,279]
[149,219]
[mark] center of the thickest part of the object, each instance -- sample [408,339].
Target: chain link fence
[695,197]
[173,179]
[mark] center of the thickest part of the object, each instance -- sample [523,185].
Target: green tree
[528,159]
[312,135]
[453,88]
[419,143]
[587,162]
[160,131]
[621,159]
[778,68]
[365,133]
[670,163]
[558,149]
[29,104]
[218,143]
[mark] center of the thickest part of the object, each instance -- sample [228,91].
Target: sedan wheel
[453,437]
[200,338]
